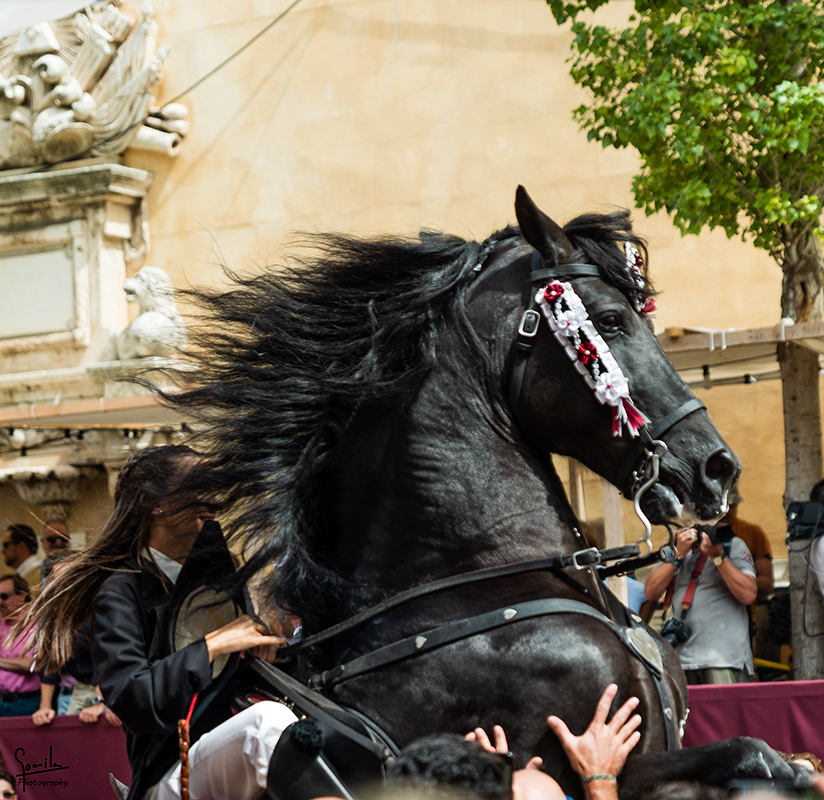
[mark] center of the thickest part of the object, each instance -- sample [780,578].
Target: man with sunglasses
[55,542]
[19,687]
[8,786]
[55,537]
[20,553]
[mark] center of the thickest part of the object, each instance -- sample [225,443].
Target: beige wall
[327,123]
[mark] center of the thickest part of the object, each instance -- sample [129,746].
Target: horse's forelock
[601,238]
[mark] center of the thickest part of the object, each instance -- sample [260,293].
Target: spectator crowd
[708,588]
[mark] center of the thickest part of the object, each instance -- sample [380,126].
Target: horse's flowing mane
[286,358]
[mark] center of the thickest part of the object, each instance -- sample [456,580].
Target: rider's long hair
[146,478]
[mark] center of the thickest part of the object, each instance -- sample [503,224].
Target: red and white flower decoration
[569,320]
[635,265]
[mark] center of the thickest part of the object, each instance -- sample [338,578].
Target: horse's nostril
[720,467]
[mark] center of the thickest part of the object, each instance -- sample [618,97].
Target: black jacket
[147,684]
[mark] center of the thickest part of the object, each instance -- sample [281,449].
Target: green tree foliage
[724,102]
[725,105]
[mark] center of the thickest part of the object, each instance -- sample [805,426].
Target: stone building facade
[358,117]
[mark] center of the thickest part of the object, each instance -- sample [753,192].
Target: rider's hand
[602,749]
[43,716]
[243,633]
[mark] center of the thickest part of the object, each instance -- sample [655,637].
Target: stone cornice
[87,183]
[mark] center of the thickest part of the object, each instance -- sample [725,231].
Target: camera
[675,631]
[804,520]
[717,534]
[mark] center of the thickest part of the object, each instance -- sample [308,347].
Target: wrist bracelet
[599,778]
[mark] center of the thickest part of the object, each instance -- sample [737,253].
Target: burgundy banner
[67,760]
[786,714]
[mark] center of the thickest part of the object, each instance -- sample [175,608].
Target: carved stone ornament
[53,489]
[158,329]
[80,87]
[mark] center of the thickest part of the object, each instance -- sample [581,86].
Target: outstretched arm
[598,755]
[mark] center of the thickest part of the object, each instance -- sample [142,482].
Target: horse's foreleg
[716,764]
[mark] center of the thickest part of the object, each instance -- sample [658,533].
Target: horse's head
[584,375]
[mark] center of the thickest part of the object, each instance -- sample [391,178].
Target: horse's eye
[609,322]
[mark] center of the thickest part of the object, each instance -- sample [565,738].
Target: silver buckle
[594,550]
[533,319]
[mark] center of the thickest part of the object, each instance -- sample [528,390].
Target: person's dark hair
[446,765]
[20,584]
[685,790]
[817,493]
[23,533]
[7,776]
[149,476]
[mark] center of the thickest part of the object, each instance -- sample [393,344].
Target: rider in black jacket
[161,542]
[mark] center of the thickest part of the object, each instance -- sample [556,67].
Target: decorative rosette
[635,266]
[552,292]
[569,320]
[587,353]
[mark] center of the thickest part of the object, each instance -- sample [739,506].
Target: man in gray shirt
[723,578]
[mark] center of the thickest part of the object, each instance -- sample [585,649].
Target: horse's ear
[546,236]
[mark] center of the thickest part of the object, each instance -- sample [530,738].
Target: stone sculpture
[82,86]
[158,329]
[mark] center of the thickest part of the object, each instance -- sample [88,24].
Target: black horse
[381,415]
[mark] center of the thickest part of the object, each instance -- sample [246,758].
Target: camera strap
[686,603]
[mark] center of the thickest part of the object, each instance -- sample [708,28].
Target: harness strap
[324,710]
[455,631]
[580,560]
[689,595]
[531,319]
[637,640]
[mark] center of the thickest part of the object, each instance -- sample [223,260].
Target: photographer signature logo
[42,772]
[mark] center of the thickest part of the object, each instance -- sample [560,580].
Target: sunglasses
[56,541]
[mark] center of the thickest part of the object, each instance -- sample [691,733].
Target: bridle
[642,462]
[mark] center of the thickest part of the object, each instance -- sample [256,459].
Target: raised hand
[602,749]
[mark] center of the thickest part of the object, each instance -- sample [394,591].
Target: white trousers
[230,762]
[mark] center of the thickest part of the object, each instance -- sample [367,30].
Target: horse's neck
[433,490]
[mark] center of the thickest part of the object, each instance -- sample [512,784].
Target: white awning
[706,356]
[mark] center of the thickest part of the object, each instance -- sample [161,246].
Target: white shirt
[169,567]
[32,562]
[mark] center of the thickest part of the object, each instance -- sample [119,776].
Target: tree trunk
[802,448]
[801,301]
